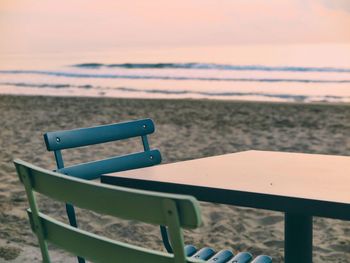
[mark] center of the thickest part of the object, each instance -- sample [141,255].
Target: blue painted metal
[59,140]
[221,257]
[145,143]
[242,257]
[93,170]
[264,259]
[204,254]
[190,250]
[59,159]
[165,239]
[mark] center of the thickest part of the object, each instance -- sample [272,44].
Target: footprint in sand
[270,220]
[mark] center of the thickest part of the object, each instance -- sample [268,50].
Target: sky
[51,25]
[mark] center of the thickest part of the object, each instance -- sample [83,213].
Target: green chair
[174,211]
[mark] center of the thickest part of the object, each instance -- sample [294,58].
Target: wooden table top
[262,174]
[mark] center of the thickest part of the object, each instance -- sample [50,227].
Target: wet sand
[185,129]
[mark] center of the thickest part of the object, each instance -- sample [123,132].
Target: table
[300,185]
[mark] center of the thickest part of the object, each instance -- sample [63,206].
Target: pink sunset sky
[51,25]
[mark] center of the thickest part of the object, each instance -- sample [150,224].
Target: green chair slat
[94,247]
[59,140]
[93,170]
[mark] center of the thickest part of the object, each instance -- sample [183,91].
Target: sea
[294,73]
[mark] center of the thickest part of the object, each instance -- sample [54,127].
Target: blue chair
[67,139]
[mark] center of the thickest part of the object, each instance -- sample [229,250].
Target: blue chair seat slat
[190,250]
[262,259]
[222,256]
[242,257]
[204,253]
[93,170]
[59,140]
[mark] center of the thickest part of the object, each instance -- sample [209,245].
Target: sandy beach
[185,129]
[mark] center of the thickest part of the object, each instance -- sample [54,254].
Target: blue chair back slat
[59,140]
[93,170]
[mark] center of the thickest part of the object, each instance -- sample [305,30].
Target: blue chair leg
[71,215]
[73,222]
[165,238]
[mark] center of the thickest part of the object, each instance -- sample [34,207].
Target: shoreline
[185,129]
[318,103]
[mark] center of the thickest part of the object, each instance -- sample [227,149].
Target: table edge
[287,204]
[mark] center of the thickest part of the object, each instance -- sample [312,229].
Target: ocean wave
[124,76]
[212,66]
[224,94]
[295,98]
[47,85]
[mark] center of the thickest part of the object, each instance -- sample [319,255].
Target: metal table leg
[297,238]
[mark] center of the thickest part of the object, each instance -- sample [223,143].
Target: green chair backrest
[174,211]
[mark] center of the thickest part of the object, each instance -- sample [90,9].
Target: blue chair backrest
[60,140]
